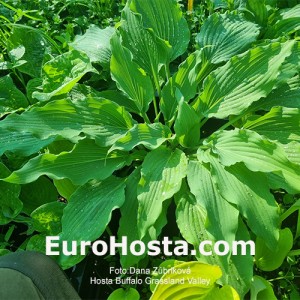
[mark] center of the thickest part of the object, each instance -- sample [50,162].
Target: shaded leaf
[37,193]
[10,204]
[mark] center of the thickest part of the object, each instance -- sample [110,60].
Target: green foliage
[137,123]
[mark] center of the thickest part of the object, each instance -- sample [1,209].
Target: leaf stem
[145,117]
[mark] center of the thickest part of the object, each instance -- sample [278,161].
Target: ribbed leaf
[167,22]
[128,222]
[62,73]
[281,124]
[10,204]
[253,199]
[257,153]
[288,21]
[95,43]
[98,119]
[222,217]
[11,98]
[187,125]
[148,50]
[258,10]
[292,151]
[90,207]
[183,83]
[247,78]
[149,135]
[21,143]
[162,172]
[287,95]
[191,217]
[225,35]
[129,77]
[190,288]
[86,161]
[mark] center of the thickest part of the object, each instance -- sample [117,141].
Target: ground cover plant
[155,122]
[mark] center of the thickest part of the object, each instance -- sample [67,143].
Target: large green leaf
[187,125]
[62,72]
[252,199]
[222,217]
[148,51]
[245,79]
[292,151]
[256,152]
[129,77]
[10,204]
[86,161]
[149,135]
[162,172]
[225,35]
[98,119]
[90,207]
[165,18]
[95,43]
[281,124]
[11,98]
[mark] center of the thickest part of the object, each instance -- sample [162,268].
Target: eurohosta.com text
[167,247]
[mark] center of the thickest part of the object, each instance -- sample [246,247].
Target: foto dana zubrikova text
[167,247]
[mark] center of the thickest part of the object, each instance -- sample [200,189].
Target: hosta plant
[206,138]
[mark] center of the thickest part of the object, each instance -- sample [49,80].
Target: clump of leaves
[151,137]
